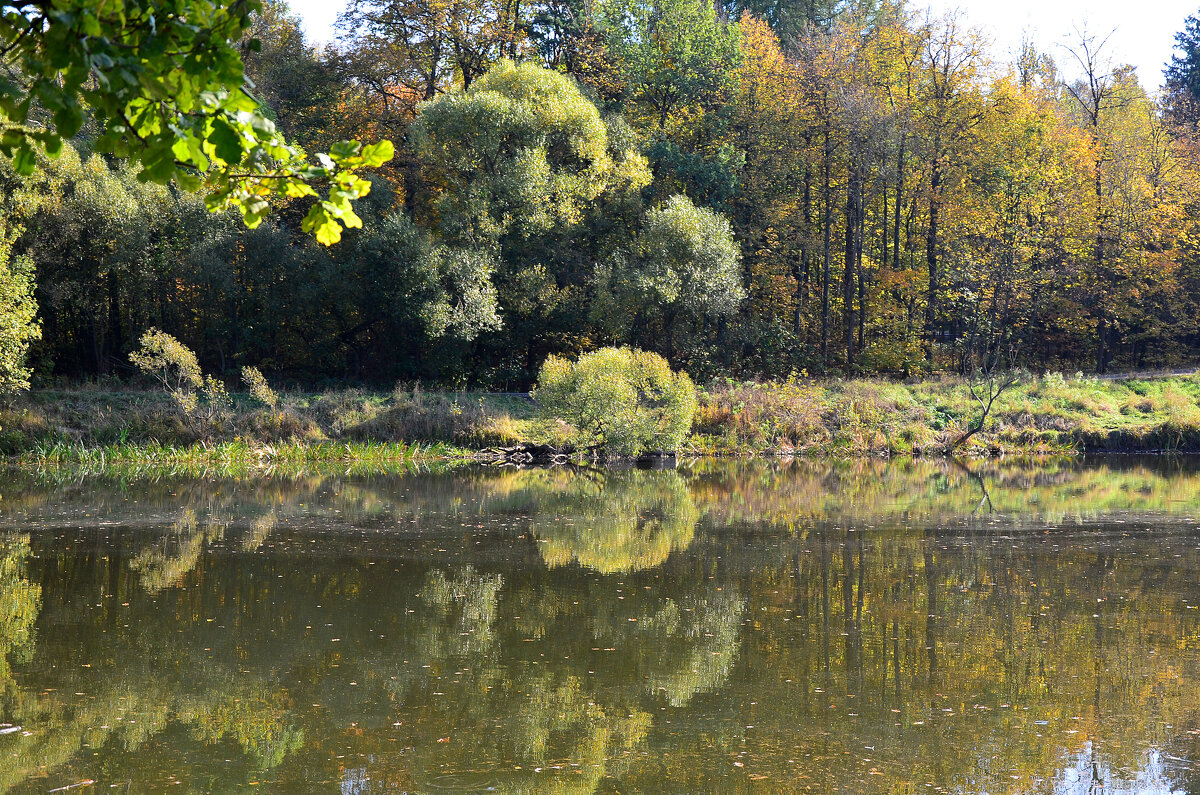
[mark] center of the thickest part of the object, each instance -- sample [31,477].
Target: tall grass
[34,423]
[1047,415]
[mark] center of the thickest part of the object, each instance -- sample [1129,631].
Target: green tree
[679,63]
[104,247]
[520,150]
[392,290]
[675,54]
[565,34]
[18,326]
[684,266]
[791,19]
[1182,75]
[164,78]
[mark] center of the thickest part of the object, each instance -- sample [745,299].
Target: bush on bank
[620,400]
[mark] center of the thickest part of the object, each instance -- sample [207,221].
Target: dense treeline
[750,190]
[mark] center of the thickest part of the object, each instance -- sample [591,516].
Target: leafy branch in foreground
[164,78]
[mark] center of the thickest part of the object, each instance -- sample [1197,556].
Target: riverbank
[84,425]
[1050,415]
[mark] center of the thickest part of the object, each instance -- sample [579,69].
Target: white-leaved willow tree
[521,157]
[683,268]
[530,172]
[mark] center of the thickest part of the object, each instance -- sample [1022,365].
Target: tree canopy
[748,190]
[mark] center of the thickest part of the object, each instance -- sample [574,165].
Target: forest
[751,189]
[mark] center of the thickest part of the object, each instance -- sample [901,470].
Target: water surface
[735,627]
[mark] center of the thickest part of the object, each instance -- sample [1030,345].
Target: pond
[779,626]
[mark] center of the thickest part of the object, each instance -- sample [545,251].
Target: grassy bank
[91,428]
[1037,416]
[95,428]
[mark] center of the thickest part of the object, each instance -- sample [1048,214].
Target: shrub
[173,365]
[217,402]
[260,390]
[621,400]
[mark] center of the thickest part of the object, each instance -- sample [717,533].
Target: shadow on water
[784,626]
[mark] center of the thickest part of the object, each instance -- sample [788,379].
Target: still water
[725,627]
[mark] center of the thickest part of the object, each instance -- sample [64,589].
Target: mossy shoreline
[99,429]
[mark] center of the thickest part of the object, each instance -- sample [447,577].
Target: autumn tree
[421,47]
[948,112]
[1108,103]
[773,208]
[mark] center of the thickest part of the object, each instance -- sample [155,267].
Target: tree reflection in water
[20,601]
[610,522]
[853,627]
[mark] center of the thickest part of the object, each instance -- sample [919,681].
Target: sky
[1143,31]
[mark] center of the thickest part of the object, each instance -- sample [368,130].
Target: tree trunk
[825,262]
[115,341]
[858,270]
[899,204]
[884,228]
[802,277]
[1102,324]
[931,258]
[853,191]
